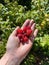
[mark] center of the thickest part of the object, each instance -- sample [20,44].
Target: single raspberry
[19,35]
[19,31]
[25,39]
[28,27]
[24,29]
[28,32]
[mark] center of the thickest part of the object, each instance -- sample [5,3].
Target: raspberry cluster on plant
[24,34]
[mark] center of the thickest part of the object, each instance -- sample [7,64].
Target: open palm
[14,45]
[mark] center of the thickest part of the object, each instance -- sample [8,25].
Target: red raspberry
[19,35]
[24,34]
[24,29]
[19,31]
[28,32]
[28,27]
[25,39]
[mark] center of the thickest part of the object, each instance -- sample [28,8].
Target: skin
[15,50]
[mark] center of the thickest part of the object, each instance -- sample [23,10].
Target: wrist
[9,59]
[14,60]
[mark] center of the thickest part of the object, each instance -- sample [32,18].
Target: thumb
[15,31]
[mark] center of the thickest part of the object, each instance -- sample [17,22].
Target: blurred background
[15,12]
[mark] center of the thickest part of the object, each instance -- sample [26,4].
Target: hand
[21,50]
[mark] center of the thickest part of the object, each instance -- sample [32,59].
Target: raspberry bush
[13,13]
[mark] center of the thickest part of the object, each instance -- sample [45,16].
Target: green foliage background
[15,12]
